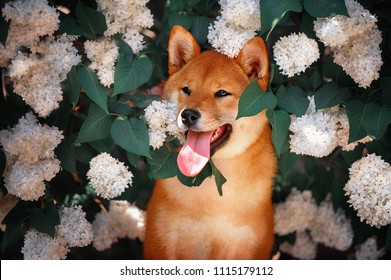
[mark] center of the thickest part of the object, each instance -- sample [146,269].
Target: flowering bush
[83,133]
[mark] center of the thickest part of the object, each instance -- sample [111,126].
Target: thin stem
[4,88]
[100,204]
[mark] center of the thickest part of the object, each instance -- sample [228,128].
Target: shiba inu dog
[197,223]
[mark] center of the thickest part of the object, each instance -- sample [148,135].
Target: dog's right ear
[254,61]
[182,47]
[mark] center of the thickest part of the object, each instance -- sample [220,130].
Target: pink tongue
[195,154]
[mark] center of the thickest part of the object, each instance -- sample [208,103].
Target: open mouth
[199,147]
[220,136]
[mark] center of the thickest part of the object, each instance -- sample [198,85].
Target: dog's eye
[222,93]
[186,90]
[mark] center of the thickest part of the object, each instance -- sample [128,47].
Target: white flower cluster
[103,55]
[122,220]
[7,202]
[37,76]
[304,248]
[108,176]
[74,226]
[241,14]
[161,119]
[30,19]
[41,246]
[127,17]
[27,180]
[354,41]
[295,53]
[312,224]
[314,134]
[296,213]
[368,250]
[318,133]
[74,231]
[369,190]
[331,228]
[29,149]
[237,24]
[31,141]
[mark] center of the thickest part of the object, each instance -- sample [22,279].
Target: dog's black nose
[190,116]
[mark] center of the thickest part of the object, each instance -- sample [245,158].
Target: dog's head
[206,88]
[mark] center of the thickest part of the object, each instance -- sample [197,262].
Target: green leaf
[74,87]
[325,8]
[197,180]
[293,100]
[273,11]
[320,188]
[131,135]
[273,72]
[219,178]
[280,122]
[362,231]
[351,156]
[120,106]
[51,213]
[132,158]
[189,4]
[65,152]
[315,80]
[158,56]
[96,126]
[14,231]
[176,5]
[337,193]
[335,72]
[131,73]
[163,163]
[94,89]
[355,111]
[39,221]
[199,28]
[385,84]
[84,153]
[376,119]
[103,145]
[286,162]
[70,26]
[278,78]
[254,100]
[181,19]
[310,165]
[16,221]
[307,26]
[123,47]
[331,95]
[4,27]
[91,21]
[141,100]
[381,146]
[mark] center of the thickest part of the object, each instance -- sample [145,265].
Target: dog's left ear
[182,47]
[254,61]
